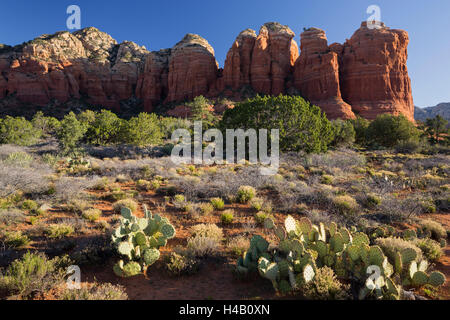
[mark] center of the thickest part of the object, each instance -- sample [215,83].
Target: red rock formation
[192,69]
[316,75]
[63,66]
[367,75]
[154,81]
[236,72]
[374,76]
[273,58]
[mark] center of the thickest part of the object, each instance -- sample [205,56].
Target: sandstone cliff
[367,75]
[374,75]
[316,75]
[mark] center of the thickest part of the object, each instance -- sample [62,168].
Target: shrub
[345,205]
[360,126]
[218,203]
[392,245]
[327,179]
[227,216]
[388,130]
[343,132]
[257,203]
[46,125]
[59,231]
[125,203]
[143,185]
[302,126]
[29,205]
[200,111]
[325,286]
[18,131]
[200,246]
[16,239]
[261,216]
[206,208]
[207,230]
[245,194]
[437,230]
[34,272]
[105,129]
[19,159]
[142,130]
[372,200]
[179,201]
[179,264]
[431,249]
[238,245]
[92,214]
[70,132]
[96,291]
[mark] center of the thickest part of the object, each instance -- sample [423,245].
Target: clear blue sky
[160,24]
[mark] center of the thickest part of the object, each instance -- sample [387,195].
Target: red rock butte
[366,76]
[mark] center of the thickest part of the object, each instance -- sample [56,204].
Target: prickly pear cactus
[138,240]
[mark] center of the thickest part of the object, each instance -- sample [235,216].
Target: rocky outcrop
[184,72]
[236,72]
[87,64]
[273,58]
[367,75]
[374,76]
[153,83]
[316,75]
[193,69]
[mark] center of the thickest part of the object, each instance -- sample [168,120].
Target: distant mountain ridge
[442,109]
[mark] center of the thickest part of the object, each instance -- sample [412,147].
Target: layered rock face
[374,76]
[316,75]
[367,75]
[184,72]
[87,64]
[236,72]
[273,58]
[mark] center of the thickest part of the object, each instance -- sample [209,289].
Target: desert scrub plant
[245,194]
[34,272]
[206,208]
[179,264]
[392,245]
[217,203]
[138,240]
[179,201]
[78,206]
[431,249]
[92,215]
[238,245]
[227,216]
[29,205]
[59,231]
[207,230]
[435,228]
[19,159]
[95,291]
[16,239]
[327,179]
[372,201]
[325,286]
[261,216]
[345,205]
[201,246]
[256,203]
[125,203]
[11,216]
